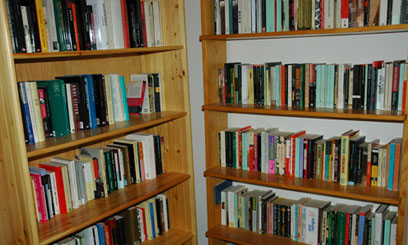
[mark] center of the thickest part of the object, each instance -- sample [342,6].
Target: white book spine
[231,218]
[258,16]
[383,13]
[117,98]
[328,14]
[340,88]
[244,76]
[311,224]
[157,22]
[31,109]
[118,41]
[217,17]
[253,16]
[222,149]
[396,12]
[70,108]
[100,22]
[54,192]
[378,235]
[52,40]
[27,38]
[223,208]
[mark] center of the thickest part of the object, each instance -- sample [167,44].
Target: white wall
[339,49]
[193,28]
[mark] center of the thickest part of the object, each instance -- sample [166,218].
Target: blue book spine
[152,211]
[361,230]
[278,15]
[401,86]
[297,157]
[277,84]
[270,16]
[91,100]
[24,103]
[244,151]
[101,233]
[295,232]
[301,157]
[124,97]
[391,167]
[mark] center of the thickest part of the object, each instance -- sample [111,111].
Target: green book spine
[58,106]
[59,23]
[341,226]
[108,161]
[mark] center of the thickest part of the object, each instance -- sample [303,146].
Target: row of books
[347,159]
[55,108]
[307,220]
[71,25]
[254,16]
[62,185]
[145,221]
[377,86]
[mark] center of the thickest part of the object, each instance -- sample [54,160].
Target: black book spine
[264,15]
[227,83]
[92,38]
[264,218]
[65,17]
[159,212]
[234,17]
[356,87]
[114,154]
[389,12]
[79,23]
[262,85]
[85,24]
[275,219]
[256,84]
[12,25]
[228,149]
[395,85]
[20,45]
[367,12]
[100,80]
[288,220]
[139,25]
[404,12]
[337,160]
[34,20]
[71,25]
[44,101]
[369,94]
[158,156]
[292,15]
[239,84]
[286,85]
[259,154]
[84,111]
[346,86]
[132,22]
[362,85]
[98,100]
[157,92]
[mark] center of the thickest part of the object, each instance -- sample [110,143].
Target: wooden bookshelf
[99,209]
[348,114]
[311,33]
[86,137]
[35,57]
[245,237]
[173,123]
[215,54]
[316,186]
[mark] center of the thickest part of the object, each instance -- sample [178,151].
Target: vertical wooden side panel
[214,57]
[207,17]
[17,215]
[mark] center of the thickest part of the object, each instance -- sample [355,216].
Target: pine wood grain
[35,57]
[245,237]
[309,33]
[316,186]
[347,114]
[96,210]
[81,138]
[17,206]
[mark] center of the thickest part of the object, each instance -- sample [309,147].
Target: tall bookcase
[18,216]
[220,116]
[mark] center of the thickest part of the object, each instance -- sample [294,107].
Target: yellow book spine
[37,111]
[41,25]
[251,85]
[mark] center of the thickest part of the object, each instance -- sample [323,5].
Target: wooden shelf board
[84,137]
[24,57]
[63,225]
[316,186]
[245,237]
[348,114]
[309,33]
[172,237]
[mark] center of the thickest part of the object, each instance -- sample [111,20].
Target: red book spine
[125,23]
[144,221]
[321,14]
[96,169]
[74,15]
[395,86]
[404,95]
[107,237]
[346,235]
[344,9]
[40,196]
[141,160]
[143,23]
[255,152]
[251,158]
[305,157]
[60,185]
